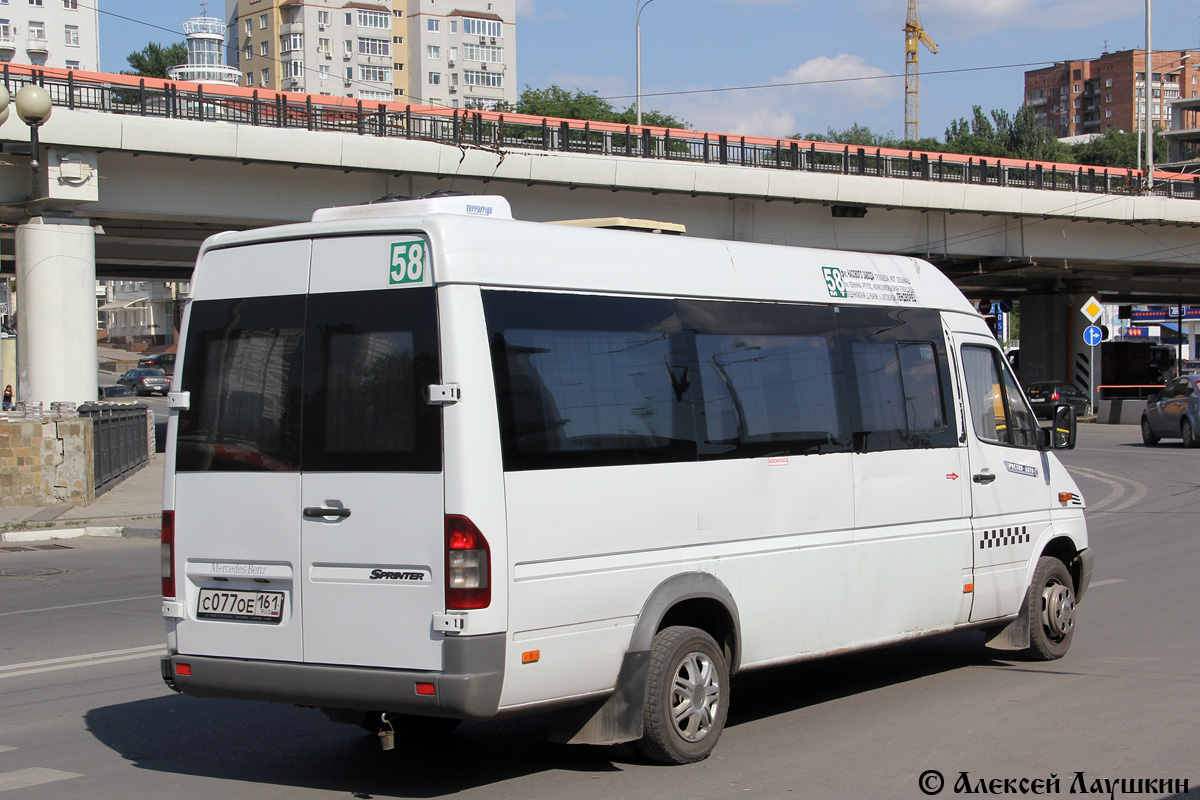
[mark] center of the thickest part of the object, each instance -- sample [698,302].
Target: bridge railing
[119,94]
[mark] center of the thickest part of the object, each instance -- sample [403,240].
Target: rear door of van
[309,493]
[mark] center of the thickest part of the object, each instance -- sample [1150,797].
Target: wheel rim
[695,697]
[1058,610]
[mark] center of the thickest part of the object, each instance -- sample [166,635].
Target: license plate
[241,605]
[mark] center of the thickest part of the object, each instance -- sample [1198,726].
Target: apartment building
[462,53]
[329,47]
[456,53]
[1108,93]
[51,33]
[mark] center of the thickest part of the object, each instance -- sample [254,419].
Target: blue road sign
[1092,335]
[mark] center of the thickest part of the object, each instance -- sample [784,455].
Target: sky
[844,60]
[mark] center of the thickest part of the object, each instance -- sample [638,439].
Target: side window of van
[770,379]
[999,413]
[589,381]
[242,368]
[895,363]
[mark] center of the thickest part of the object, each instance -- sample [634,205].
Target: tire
[1148,437]
[1051,609]
[686,665]
[1188,433]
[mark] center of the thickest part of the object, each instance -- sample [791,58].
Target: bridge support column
[56,329]
[1052,346]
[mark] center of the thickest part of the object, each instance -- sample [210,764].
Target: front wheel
[1051,610]
[1148,437]
[687,696]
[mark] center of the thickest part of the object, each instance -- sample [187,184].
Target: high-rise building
[51,33]
[462,53]
[346,49]
[1108,93]
[457,53]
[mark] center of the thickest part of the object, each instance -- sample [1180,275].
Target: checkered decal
[1003,537]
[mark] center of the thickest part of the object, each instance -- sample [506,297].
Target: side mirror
[1064,429]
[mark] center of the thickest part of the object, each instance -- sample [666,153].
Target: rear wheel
[1148,436]
[1188,433]
[1051,609]
[687,696]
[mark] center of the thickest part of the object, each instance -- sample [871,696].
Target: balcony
[37,46]
[290,28]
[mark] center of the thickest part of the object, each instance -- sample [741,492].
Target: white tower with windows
[206,53]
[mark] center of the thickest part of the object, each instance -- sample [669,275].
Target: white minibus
[428,463]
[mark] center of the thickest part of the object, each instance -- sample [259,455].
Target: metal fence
[121,440]
[493,130]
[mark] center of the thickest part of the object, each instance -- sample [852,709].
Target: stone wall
[46,462]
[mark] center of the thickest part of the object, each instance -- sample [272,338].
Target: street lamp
[638,25]
[33,107]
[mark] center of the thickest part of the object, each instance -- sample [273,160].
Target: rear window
[330,382]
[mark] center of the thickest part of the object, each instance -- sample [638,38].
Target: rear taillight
[468,566]
[168,553]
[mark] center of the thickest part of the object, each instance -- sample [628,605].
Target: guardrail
[121,438]
[150,97]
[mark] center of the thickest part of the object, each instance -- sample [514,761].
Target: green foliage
[555,101]
[999,134]
[1118,149]
[153,60]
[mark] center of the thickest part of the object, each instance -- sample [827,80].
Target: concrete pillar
[1052,346]
[56,330]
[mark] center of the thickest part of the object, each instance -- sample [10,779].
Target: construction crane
[913,34]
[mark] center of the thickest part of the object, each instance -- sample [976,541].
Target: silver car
[1174,413]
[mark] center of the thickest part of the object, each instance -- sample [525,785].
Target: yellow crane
[914,34]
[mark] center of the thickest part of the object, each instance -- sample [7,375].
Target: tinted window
[589,381]
[999,413]
[894,362]
[370,358]
[342,389]
[769,378]
[242,368]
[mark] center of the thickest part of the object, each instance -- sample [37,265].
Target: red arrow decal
[950,476]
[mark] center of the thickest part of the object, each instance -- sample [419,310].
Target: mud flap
[1014,635]
[616,719]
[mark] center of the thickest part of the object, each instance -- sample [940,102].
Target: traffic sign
[1092,309]
[1092,336]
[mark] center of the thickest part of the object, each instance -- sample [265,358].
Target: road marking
[81,605]
[85,660]
[1139,491]
[34,776]
[5,748]
[1094,584]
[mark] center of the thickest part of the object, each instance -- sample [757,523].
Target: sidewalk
[131,508]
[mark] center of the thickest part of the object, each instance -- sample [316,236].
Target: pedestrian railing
[121,439]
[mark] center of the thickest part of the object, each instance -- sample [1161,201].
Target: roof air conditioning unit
[483,40]
[483,67]
[320,26]
[453,89]
[450,63]
[493,40]
[329,55]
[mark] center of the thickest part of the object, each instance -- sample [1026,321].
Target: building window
[349,17]
[264,48]
[374,74]
[1076,89]
[249,50]
[324,17]
[492,80]
[482,27]
[35,2]
[433,51]
[397,12]
[249,28]
[324,70]
[1108,83]
[1108,97]
[72,5]
[435,78]
[374,47]
[266,76]
[72,35]
[291,43]
[398,40]
[1108,113]
[488,53]
[295,69]
[323,46]
[73,65]
[349,74]
[249,78]
[374,19]
[431,25]
[36,31]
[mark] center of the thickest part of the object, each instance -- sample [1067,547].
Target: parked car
[1173,413]
[146,381]
[116,394]
[163,361]
[1189,367]
[1046,396]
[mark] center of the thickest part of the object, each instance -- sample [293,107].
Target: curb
[49,534]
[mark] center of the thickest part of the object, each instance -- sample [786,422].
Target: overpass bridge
[158,165]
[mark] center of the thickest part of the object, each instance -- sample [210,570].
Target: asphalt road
[84,714]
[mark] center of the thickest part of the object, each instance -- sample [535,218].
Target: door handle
[325,511]
[980,477]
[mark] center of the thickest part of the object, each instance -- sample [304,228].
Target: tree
[555,101]
[153,60]
[1118,149]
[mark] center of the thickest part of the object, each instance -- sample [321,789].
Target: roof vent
[470,205]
